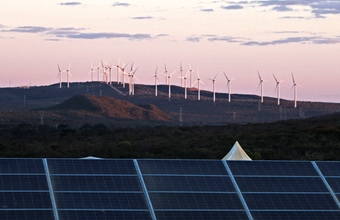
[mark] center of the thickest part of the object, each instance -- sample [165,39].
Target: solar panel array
[72,189]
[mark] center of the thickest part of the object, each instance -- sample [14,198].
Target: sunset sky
[237,37]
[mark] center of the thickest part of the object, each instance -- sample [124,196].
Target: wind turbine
[185,83]
[156,78]
[198,85]
[132,81]
[98,69]
[60,75]
[104,71]
[295,85]
[91,71]
[213,80]
[118,67]
[68,75]
[165,74]
[181,71]
[277,88]
[260,84]
[169,82]
[228,86]
[190,72]
[123,73]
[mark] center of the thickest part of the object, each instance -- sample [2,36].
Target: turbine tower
[133,82]
[118,68]
[190,72]
[260,84]
[185,84]
[277,89]
[91,72]
[169,82]
[295,85]
[98,69]
[123,73]
[60,75]
[68,75]
[213,80]
[156,78]
[198,85]
[228,86]
[181,71]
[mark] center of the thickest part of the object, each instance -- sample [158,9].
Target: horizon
[238,38]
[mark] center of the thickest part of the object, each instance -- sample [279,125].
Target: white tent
[236,153]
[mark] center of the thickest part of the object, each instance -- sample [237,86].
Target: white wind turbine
[295,85]
[105,68]
[118,68]
[68,75]
[190,73]
[91,72]
[228,86]
[213,80]
[181,71]
[185,84]
[60,75]
[260,84]
[198,85]
[123,73]
[277,89]
[165,74]
[132,81]
[98,69]
[156,78]
[169,82]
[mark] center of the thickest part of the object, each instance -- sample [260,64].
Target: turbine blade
[156,71]
[226,76]
[259,75]
[215,76]
[69,66]
[59,68]
[259,85]
[293,78]
[275,78]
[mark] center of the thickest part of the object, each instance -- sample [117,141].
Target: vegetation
[311,139]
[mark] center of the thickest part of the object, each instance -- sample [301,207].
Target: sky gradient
[237,37]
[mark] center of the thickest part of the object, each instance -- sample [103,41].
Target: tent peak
[236,153]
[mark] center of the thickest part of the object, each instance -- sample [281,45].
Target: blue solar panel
[25,200]
[185,167]
[23,182]
[286,201]
[194,215]
[296,215]
[281,184]
[21,166]
[329,168]
[95,183]
[334,183]
[104,215]
[101,201]
[195,201]
[189,183]
[26,215]
[89,167]
[272,168]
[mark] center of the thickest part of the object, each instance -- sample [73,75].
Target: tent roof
[236,153]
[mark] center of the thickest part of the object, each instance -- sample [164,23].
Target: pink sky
[238,38]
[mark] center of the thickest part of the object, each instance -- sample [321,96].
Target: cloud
[142,18]
[207,9]
[109,36]
[193,39]
[52,39]
[227,39]
[2,26]
[30,29]
[293,17]
[302,40]
[70,3]
[121,4]
[232,7]
[282,8]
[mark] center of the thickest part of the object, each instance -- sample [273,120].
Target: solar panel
[329,168]
[193,215]
[189,183]
[168,189]
[281,184]
[178,167]
[272,168]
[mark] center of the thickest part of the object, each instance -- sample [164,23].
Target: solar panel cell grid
[189,183]
[95,183]
[290,201]
[194,215]
[334,183]
[281,184]
[104,215]
[26,215]
[91,167]
[23,182]
[25,200]
[296,215]
[21,166]
[272,168]
[329,168]
[195,201]
[179,167]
